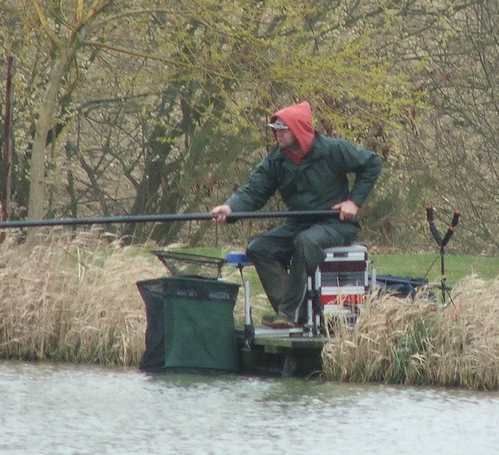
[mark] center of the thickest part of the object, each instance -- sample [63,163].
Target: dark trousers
[284,256]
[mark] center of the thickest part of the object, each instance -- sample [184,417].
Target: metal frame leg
[249,329]
[315,315]
[308,329]
[317,311]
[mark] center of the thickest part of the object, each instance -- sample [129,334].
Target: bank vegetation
[418,343]
[73,298]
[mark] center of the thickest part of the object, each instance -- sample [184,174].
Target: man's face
[285,138]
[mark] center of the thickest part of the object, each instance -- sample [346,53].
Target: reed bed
[418,342]
[67,297]
[73,299]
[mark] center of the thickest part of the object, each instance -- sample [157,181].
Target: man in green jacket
[309,170]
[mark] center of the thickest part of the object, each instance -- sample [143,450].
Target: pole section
[165,218]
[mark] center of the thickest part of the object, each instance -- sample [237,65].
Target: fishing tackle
[164,218]
[442,242]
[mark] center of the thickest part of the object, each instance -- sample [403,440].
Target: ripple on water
[64,409]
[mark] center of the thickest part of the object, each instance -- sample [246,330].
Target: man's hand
[348,210]
[220,213]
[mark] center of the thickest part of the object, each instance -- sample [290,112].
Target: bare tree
[459,142]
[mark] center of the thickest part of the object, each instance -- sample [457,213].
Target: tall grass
[419,343]
[73,300]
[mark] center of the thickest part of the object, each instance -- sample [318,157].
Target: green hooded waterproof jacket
[317,183]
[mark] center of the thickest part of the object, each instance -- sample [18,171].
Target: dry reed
[400,341]
[73,299]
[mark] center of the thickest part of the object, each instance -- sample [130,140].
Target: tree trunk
[6,160]
[46,119]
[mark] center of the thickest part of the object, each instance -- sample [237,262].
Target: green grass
[406,264]
[205,251]
[417,265]
[412,265]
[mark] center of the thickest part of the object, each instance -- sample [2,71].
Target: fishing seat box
[190,324]
[342,278]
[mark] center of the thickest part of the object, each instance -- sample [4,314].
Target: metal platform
[281,352]
[283,339]
[291,352]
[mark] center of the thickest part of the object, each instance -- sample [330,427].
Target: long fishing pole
[164,218]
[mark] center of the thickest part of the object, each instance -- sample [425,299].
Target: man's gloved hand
[348,210]
[220,213]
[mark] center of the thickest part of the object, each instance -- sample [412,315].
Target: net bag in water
[190,323]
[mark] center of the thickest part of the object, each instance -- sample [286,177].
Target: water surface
[61,409]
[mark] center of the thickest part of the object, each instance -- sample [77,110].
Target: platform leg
[318,312]
[289,366]
[249,330]
[308,328]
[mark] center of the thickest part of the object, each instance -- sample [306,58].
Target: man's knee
[303,241]
[306,240]
[309,240]
[308,249]
[256,248]
[311,250]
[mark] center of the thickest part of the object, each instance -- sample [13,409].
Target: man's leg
[308,253]
[271,252]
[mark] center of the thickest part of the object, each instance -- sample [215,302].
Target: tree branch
[56,42]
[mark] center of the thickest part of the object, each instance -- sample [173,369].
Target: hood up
[298,118]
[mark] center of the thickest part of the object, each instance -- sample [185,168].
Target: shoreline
[75,300]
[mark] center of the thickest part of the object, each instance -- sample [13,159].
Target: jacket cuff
[358,200]
[235,204]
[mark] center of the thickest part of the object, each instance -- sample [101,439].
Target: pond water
[64,409]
